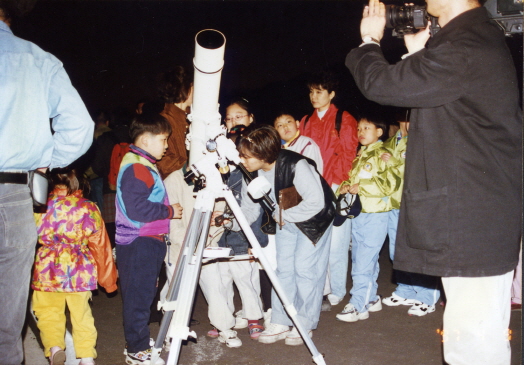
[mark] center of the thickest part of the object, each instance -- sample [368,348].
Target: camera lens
[406,18]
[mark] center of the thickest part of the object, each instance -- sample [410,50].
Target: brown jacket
[176,154]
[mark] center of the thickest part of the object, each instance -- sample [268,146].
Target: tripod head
[219,151]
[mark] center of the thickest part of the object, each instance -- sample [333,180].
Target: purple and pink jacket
[142,205]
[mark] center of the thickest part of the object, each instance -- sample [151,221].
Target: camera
[408,19]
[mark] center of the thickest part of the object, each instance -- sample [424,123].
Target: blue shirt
[35,88]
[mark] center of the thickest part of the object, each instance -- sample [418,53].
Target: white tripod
[182,289]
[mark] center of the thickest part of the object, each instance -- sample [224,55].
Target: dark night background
[112,50]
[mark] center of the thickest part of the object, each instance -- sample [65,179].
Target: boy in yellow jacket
[374,182]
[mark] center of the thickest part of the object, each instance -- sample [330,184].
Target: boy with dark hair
[142,223]
[374,182]
[335,132]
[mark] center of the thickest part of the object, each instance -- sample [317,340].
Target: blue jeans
[411,285]
[17,252]
[369,232]
[139,264]
[339,256]
[301,270]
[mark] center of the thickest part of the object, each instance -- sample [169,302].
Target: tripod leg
[182,288]
[257,250]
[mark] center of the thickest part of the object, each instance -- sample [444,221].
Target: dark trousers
[139,264]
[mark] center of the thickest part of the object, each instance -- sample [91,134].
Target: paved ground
[387,337]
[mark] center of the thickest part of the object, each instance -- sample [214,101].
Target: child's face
[286,126]
[251,163]
[155,144]
[368,133]
[320,98]
[235,115]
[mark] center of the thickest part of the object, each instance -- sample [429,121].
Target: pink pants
[516,287]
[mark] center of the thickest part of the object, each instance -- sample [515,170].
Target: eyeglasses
[237,118]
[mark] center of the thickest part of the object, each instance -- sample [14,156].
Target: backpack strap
[307,119]
[338,121]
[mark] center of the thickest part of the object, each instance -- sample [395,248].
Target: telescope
[204,117]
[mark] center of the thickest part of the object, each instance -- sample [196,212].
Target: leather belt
[13,178]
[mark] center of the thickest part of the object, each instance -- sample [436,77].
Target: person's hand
[177,208]
[385,157]
[416,42]
[354,189]
[373,20]
[344,189]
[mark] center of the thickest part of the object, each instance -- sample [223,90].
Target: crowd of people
[425,204]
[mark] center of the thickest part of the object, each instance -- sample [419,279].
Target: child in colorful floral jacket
[75,254]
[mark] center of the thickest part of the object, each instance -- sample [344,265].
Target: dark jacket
[285,166]
[461,204]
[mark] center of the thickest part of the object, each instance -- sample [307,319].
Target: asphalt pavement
[388,337]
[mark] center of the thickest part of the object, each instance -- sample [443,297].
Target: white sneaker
[151,343]
[240,322]
[374,306]
[293,337]
[267,317]
[273,333]
[230,338]
[333,299]
[350,314]
[395,300]
[421,309]
[142,358]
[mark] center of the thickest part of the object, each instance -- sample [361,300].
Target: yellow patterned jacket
[397,163]
[376,181]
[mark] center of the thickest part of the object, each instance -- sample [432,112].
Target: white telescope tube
[204,117]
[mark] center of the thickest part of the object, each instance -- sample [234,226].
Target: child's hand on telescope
[177,208]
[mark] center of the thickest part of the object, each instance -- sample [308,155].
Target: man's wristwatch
[369,39]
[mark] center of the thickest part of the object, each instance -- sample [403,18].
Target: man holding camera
[461,213]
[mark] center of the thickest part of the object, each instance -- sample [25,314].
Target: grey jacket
[461,204]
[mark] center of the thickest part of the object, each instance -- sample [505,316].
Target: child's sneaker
[273,333]
[255,330]
[333,299]
[230,338]
[421,309]
[267,317]
[350,314]
[293,337]
[213,333]
[58,356]
[374,306]
[326,305]
[395,300]
[240,322]
[87,361]
[142,358]
[151,343]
